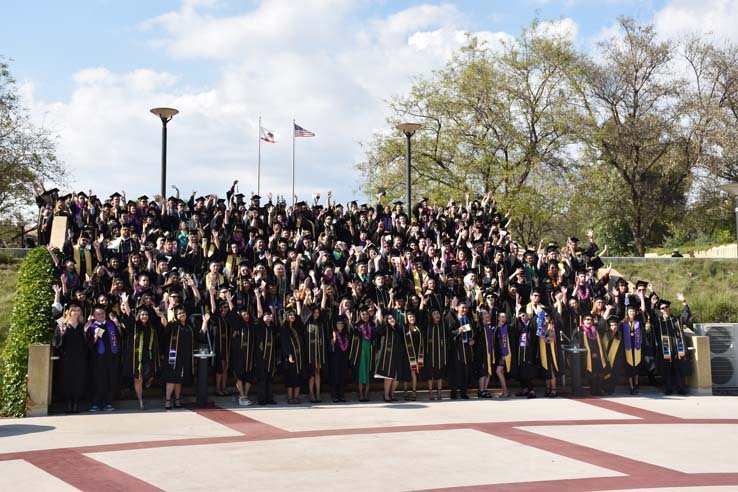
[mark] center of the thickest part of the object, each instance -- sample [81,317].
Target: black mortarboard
[51,191]
[116,195]
[529,253]
[71,304]
[398,202]
[239,195]
[130,202]
[69,258]
[200,199]
[255,197]
[621,280]
[66,197]
[574,239]
[220,201]
[664,302]
[596,263]
[612,319]
[143,197]
[641,283]
[82,193]
[599,298]
[300,204]
[362,261]
[172,199]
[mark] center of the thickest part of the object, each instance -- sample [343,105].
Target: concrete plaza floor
[645,442]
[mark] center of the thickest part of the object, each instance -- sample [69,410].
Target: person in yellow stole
[613,347]
[595,362]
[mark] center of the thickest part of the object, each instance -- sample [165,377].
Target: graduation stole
[505,346]
[223,339]
[437,340]
[589,351]
[295,341]
[523,342]
[632,342]
[612,350]
[418,281]
[232,263]
[268,346]
[415,356]
[247,335]
[489,345]
[549,338]
[666,339]
[139,349]
[387,345]
[88,261]
[314,341]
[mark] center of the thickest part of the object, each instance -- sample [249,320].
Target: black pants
[104,378]
[339,367]
[264,386]
[672,377]
[459,376]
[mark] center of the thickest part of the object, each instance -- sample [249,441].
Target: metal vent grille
[723,370]
[721,339]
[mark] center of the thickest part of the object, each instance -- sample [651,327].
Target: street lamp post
[409,130]
[732,190]
[165,114]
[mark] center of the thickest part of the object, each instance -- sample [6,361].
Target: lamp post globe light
[732,190]
[409,130]
[165,114]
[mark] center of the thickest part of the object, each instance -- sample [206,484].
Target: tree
[645,127]
[27,151]
[493,121]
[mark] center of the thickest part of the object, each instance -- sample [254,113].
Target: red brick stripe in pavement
[88,474]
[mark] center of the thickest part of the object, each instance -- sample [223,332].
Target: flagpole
[293,162]
[258,163]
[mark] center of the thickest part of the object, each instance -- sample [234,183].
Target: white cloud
[566,28]
[680,17]
[314,60]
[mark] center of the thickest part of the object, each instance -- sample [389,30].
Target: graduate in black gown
[242,354]
[595,363]
[389,354]
[460,332]
[671,348]
[339,358]
[525,353]
[548,349]
[265,357]
[633,343]
[71,341]
[612,342]
[413,355]
[316,331]
[141,349]
[435,353]
[221,329]
[484,356]
[104,357]
[179,338]
[293,355]
[503,352]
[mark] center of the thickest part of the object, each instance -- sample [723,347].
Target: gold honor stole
[589,352]
[295,341]
[416,357]
[612,352]
[544,356]
[437,333]
[78,261]
[489,348]
[139,348]
[632,355]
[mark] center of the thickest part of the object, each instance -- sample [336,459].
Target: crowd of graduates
[345,294]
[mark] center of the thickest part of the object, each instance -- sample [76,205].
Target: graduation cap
[220,201]
[116,195]
[82,194]
[173,290]
[50,192]
[664,303]
[398,202]
[200,199]
[130,203]
[69,258]
[107,205]
[641,283]
[621,281]
[573,239]
[529,253]
[143,197]
[612,319]
[172,199]
[551,249]
[596,263]
[71,305]
[239,196]
[255,197]
[65,197]
[300,204]
[599,298]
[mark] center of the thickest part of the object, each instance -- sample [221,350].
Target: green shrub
[6,259]
[30,322]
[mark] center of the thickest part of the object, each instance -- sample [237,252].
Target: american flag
[301,132]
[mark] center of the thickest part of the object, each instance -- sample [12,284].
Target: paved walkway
[648,442]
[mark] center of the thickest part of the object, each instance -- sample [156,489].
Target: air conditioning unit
[723,353]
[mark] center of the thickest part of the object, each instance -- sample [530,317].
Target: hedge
[30,322]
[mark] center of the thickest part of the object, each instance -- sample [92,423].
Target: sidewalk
[562,444]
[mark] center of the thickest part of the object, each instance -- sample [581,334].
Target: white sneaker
[243,402]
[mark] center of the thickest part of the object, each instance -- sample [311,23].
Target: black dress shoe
[464,396]
[454,395]
[272,402]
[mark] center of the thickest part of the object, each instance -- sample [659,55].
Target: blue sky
[91,70]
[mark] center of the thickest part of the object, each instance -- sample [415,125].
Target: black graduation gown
[525,351]
[671,346]
[485,356]
[72,348]
[291,342]
[413,349]
[242,350]
[549,354]
[436,351]
[265,355]
[339,362]
[179,343]
[613,346]
[389,355]
[460,351]
[315,342]
[221,331]
[140,350]
[105,361]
